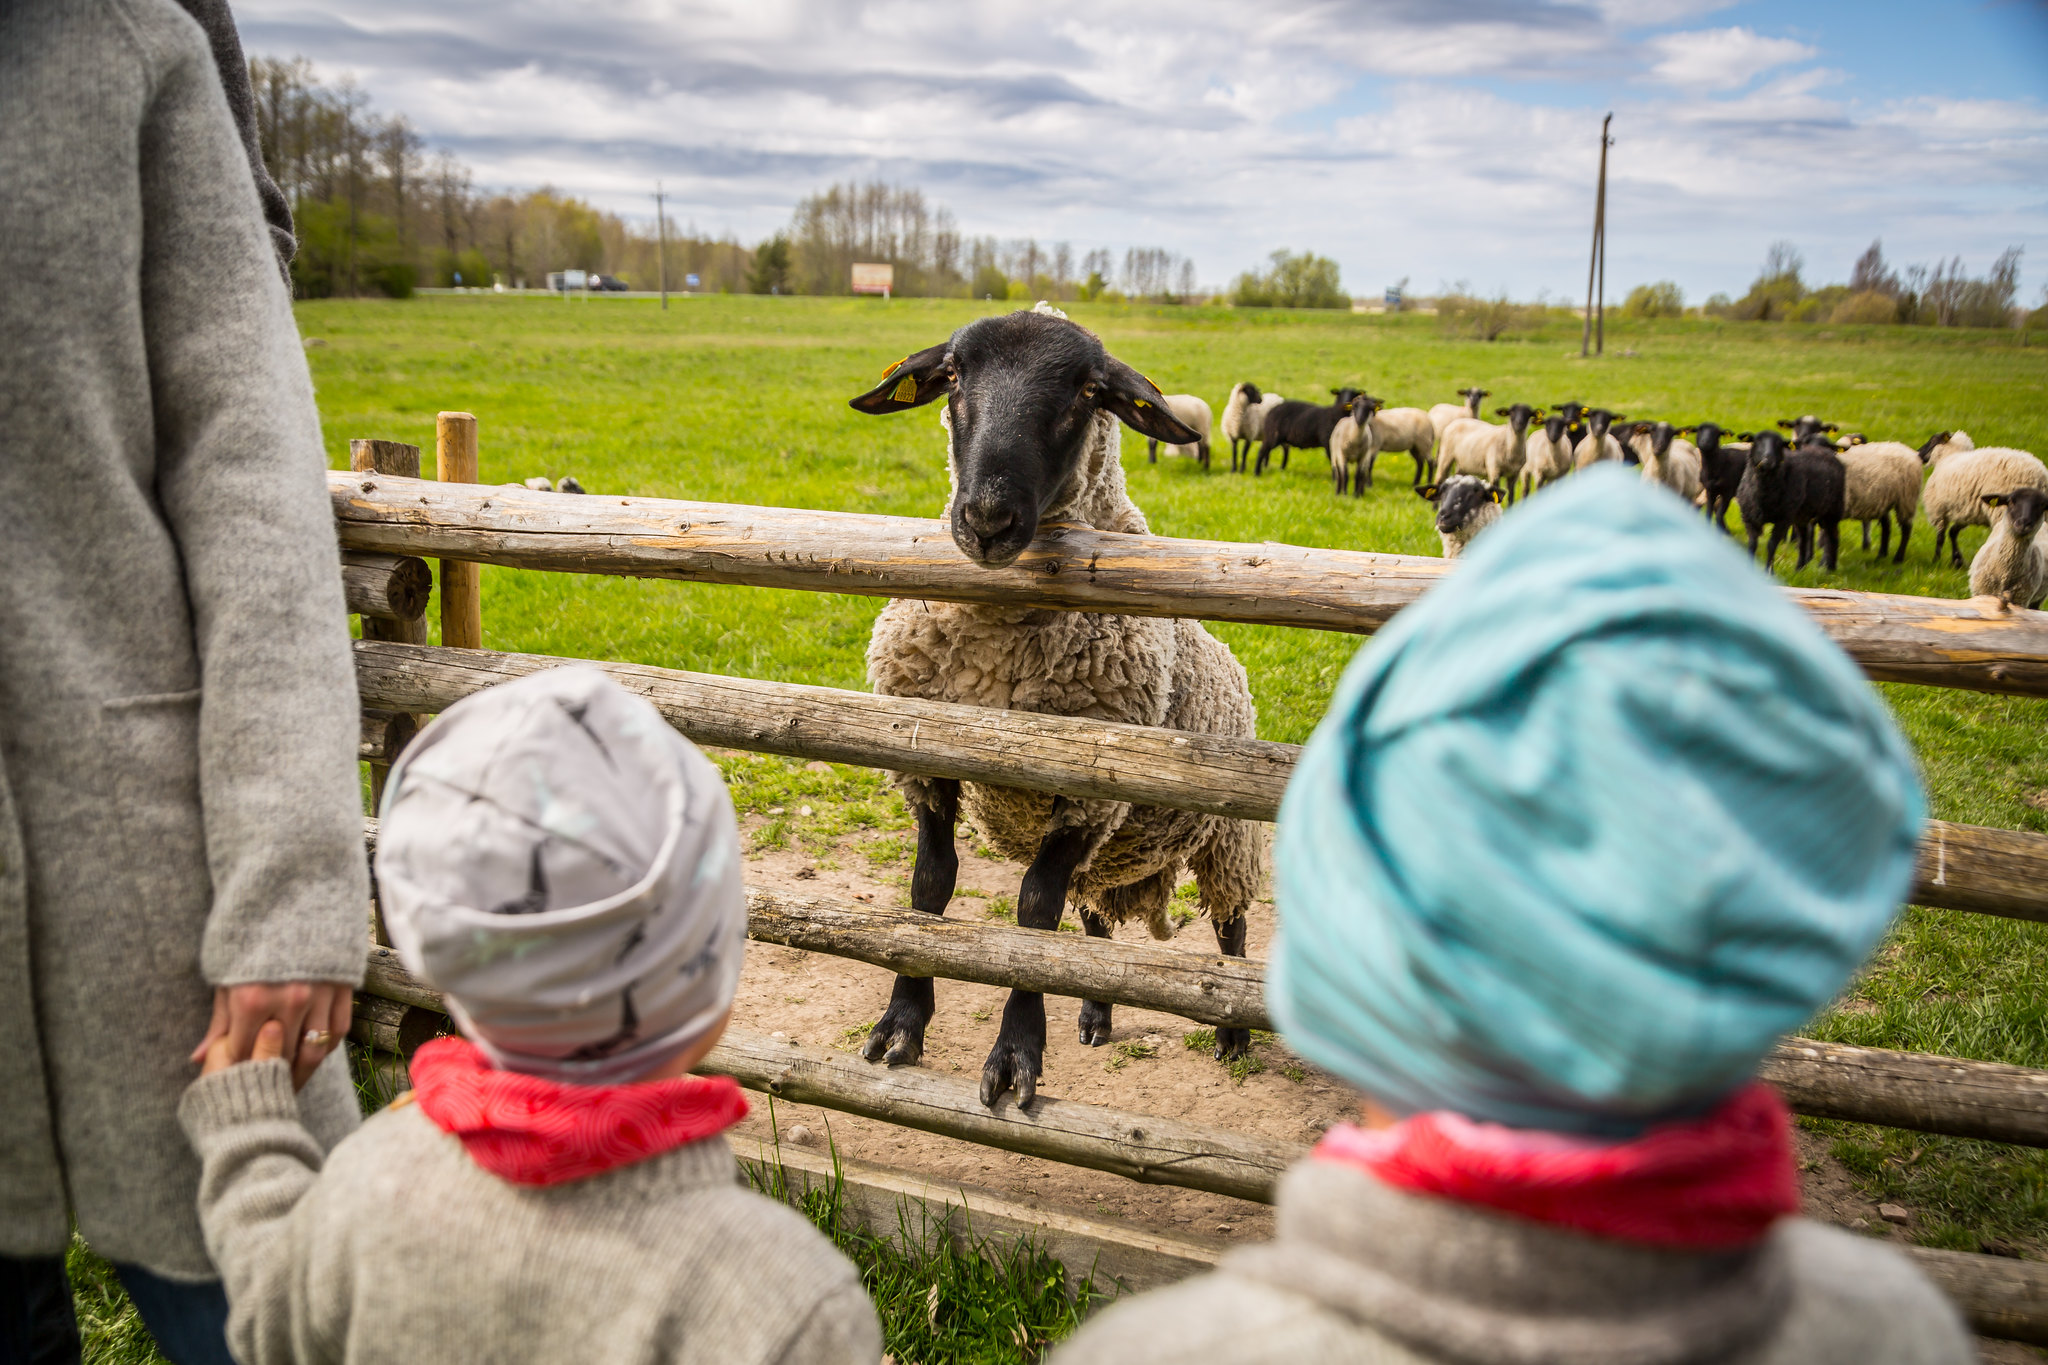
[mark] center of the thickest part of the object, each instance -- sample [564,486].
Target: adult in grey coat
[180,836]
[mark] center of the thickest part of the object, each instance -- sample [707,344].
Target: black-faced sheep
[1442,415]
[1298,424]
[1496,453]
[1194,414]
[1959,476]
[1406,429]
[1032,406]
[1549,454]
[1721,465]
[1800,428]
[1465,506]
[1244,421]
[1598,443]
[1355,447]
[1667,458]
[2012,563]
[1796,490]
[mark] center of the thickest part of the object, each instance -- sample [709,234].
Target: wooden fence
[388,520]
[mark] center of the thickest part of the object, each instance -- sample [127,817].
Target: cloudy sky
[1439,140]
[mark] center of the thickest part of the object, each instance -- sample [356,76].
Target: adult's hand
[313,1014]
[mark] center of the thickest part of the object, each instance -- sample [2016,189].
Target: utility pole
[661,243]
[1596,267]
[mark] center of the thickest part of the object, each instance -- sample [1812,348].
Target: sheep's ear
[1747,436]
[1428,492]
[1500,412]
[1139,405]
[1994,499]
[910,383]
[1494,493]
[1785,423]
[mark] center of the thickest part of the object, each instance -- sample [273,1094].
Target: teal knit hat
[1586,829]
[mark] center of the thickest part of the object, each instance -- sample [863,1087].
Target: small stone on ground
[1892,1213]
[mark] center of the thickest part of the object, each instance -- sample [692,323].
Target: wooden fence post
[462,606]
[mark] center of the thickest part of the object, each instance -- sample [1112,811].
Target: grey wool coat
[178,795]
[1364,1274]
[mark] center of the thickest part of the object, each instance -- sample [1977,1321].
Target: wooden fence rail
[1071,568]
[1961,867]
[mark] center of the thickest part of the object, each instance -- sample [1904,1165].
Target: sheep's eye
[1090,389]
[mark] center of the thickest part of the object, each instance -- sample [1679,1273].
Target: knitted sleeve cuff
[248,1093]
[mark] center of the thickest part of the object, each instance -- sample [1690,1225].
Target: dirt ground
[1147,1068]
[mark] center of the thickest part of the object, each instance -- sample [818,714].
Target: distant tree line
[1941,295]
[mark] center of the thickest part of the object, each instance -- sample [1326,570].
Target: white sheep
[1953,496]
[1114,860]
[1598,443]
[1883,486]
[1480,448]
[1408,429]
[2012,563]
[1244,421]
[1443,414]
[1354,447]
[1465,506]
[1194,414]
[1667,458]
[1549,456]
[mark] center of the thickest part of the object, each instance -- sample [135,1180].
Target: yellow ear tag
[906,392]
[1141,403]
[890,368]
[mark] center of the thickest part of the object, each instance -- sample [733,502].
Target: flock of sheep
[1801,481]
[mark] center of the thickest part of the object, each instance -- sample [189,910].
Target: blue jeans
[38,1325]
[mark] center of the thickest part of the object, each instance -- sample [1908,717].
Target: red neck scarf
[537,1132]
[1713,1183]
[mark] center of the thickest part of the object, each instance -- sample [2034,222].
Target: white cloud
[1405,137]
[1721,58]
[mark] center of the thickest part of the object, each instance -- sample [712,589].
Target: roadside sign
[874,279]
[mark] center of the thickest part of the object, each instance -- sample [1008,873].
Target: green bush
[1294,281]
[1868,306]
[1664,299]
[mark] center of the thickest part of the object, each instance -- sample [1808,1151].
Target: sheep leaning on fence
[2012,563]
[1244,421]
[1883,486]
[1193,414]
[1032,406]
[1465,506]
[1959,476]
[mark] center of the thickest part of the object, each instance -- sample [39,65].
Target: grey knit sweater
[1360,1272]
[179,806]
[399,1248]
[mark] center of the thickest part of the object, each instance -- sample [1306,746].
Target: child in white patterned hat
[565,868]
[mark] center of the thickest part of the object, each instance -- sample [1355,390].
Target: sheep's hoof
[1094,1023]
[1232,1043]
[897,1039]
[1010,1066]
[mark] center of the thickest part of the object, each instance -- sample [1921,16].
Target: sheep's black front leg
[1905,534]
[1777,538]
[1095,1013]
[1152,456]
[898,1037]
[1421,459]
[1830,544]
[1955,547]
[1230,935]
[1019,1054]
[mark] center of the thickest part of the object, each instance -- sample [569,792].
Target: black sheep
[1298,424]
[1792,490]
[1720,470]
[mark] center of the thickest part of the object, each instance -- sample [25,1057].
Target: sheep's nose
[987,520]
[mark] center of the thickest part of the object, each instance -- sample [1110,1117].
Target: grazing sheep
[1244,421]
[1032,405]
[1883,485]
[1598,443]
[1550,453]
[1298,424]
[1791,491]
[1193,414]
[2012,563]
[1721,466]
[1476,446]
[1406,429]
[1960,477]
[1667,458]
[1465,506]
[1355,447]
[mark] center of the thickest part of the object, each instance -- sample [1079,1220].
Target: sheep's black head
[1571,412]
[1021,390]
[1939,438]
[1519,416]
[2023,510]
[1457,500]
[1363,406]
[1252,394]
[1803,427]
[1554,426]
[1766,451]
[1707,436]
[1598,420]
[1473,395]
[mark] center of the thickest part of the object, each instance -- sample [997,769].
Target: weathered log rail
[1961,867]
[1071,568]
